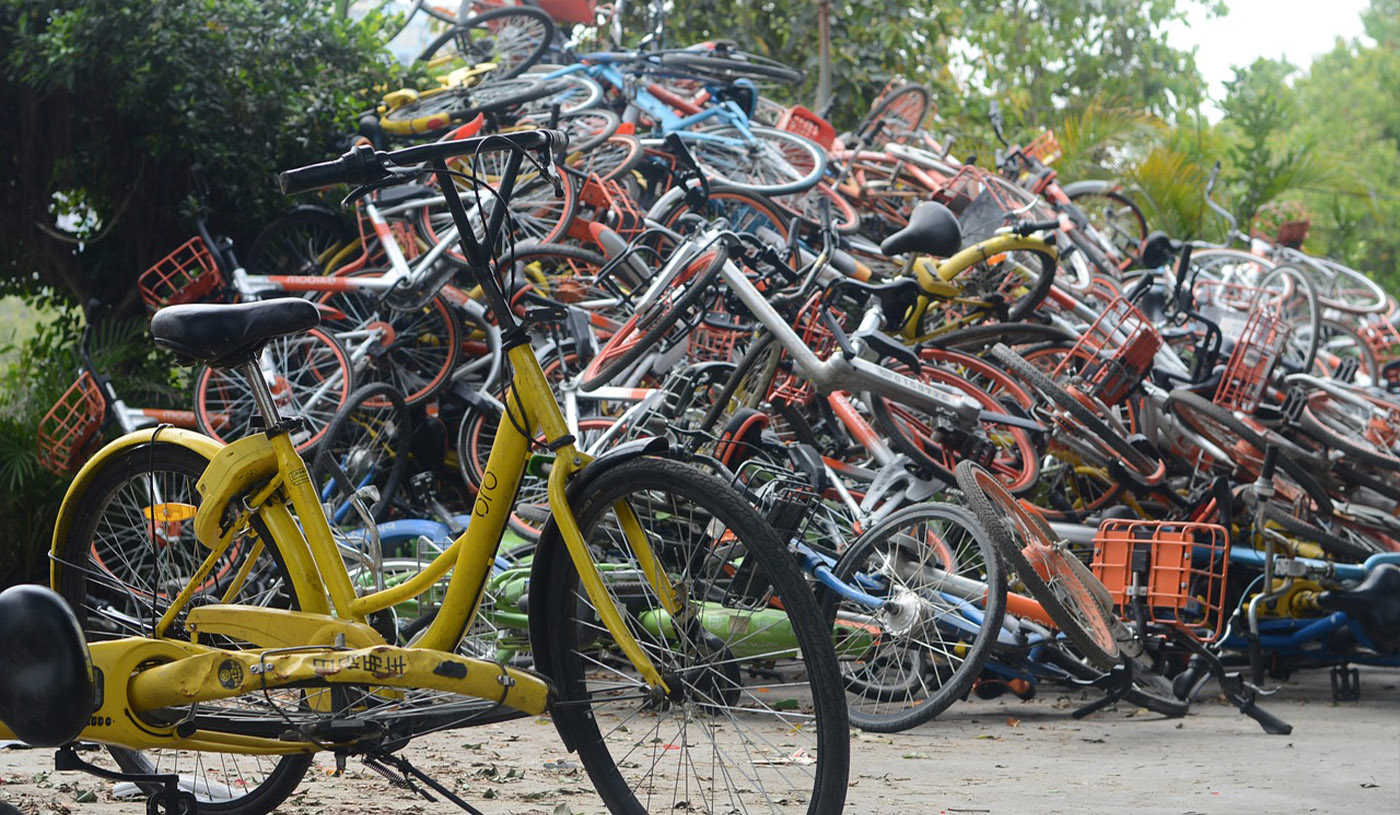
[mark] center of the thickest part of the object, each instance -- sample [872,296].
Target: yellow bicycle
[1000,279]
[229,643]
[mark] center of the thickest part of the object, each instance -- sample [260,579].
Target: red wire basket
[1115,353]
[1257,349]
[183,276]
[70,424]
[816,336]
[809,125]
[1381,339]
[1178,568]
[711,342]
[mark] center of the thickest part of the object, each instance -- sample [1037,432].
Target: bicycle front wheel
[1025,542]
[763,160]
[904,667]
[754,719]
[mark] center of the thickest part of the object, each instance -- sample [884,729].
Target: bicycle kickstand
[170,800]
[1114,684]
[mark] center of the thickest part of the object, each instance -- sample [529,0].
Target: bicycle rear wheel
[754,718]
[1025,542]
[129,550]
[369,441]
[309,375]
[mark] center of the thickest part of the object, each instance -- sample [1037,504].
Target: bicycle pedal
[1346,684]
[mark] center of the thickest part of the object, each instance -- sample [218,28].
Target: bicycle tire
[575,94]
[744,210]
[908,104]
[752,67]
[701,528]
[807,207]
[618,155]
[1346,289]
[949,661]
[1101,434]
[1334,545]
[85,578]
[1303,314]
[656,318]
[586,128]
[419,348]
[530,33]
[979,337]
[921,438]
[1336,430]
[534,213]
[504,94]
[301,242]
[772,162]
[1064,596]
[1199,413]
[1117,218]
[374,423]
[305,364]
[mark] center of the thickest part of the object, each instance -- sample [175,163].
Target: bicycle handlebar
[1210,202]
[365,165]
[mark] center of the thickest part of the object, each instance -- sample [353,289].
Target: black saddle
[225,336]
[933,230]
[46,695]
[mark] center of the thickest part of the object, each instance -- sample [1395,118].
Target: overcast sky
[1295,29]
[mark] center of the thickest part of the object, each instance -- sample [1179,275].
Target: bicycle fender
[189,439]
[1088,186]
[551,543]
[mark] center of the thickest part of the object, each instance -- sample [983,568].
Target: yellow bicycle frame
[330,642]
[938,285]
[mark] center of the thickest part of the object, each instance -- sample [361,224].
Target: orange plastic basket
[1045,149]
[1178,568]
[183,276]
[1258,348]
[809,125]
[1115,353]
[70,424]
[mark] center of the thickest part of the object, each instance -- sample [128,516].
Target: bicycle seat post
[262,394]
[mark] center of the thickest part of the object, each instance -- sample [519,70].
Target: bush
[111,102]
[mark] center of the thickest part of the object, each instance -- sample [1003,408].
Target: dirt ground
[1000,756]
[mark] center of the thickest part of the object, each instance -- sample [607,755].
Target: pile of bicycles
[627,396]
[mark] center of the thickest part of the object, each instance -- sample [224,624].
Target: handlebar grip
[1272,724]
[1270,463]
[362,165]
[1027,227]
